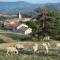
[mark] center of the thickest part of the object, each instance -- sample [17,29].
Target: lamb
[19,46]
[45,45]
[11,50]
[35,47]
[57,45]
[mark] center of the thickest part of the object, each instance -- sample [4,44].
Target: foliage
[32,24]
[44,21]
[2,18]
[49,22]
[28,14]
[56,24]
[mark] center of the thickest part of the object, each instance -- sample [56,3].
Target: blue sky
[35,1]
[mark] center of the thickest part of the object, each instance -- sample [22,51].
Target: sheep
[57,45]
[11,50]
[35,48]
[45,45]
[19,46]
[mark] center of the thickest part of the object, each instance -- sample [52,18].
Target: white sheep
[11,50]
[35,47]
[45,45]
[19,46]
[57,45]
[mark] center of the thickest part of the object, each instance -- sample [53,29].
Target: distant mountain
[54,6]
[25,7]
[14,7]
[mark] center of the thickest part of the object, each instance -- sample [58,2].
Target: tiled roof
[23,29]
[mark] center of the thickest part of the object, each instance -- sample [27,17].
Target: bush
[32,24]
[57,37]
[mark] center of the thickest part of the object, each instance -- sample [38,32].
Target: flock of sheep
[15,49]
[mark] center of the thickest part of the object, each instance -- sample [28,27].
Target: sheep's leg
[7,52]
[16,52]
[47,50]
[34,53]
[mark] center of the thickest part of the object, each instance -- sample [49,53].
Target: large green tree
[44,21]
[48,21]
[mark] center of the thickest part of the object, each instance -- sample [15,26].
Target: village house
[16,26]
[23,28]
[26,19]
[11,23]
[22,25]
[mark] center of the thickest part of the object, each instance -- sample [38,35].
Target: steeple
[20,17]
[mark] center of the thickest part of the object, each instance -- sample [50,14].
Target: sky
[34,1]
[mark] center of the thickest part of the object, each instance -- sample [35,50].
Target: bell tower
[20,17]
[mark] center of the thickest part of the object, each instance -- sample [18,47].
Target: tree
[44,21]
[49,23]
[32,24]
[56,20]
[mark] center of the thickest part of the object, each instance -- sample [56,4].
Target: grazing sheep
[57,45]
[48,44]
[11,50]
[45,45]
[19,46]
[35,47]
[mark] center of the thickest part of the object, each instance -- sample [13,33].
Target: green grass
[15,36]
[4,38]
[52,55]
[4,56]
[11,39]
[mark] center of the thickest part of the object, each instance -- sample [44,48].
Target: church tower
[20,17]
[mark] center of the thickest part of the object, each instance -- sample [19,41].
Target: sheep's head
[46,44]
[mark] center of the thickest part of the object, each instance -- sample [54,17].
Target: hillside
[13,7]
[53,6]
[25,7]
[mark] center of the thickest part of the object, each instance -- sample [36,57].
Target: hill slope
[25,7]
[13,7]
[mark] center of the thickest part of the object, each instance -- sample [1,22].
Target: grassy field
[13,36]
[10,39]
[24,56]
[27,57]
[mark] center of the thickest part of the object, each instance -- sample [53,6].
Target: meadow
[12,39]
[52,55]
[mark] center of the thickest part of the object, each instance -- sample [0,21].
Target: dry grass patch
[6,39]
